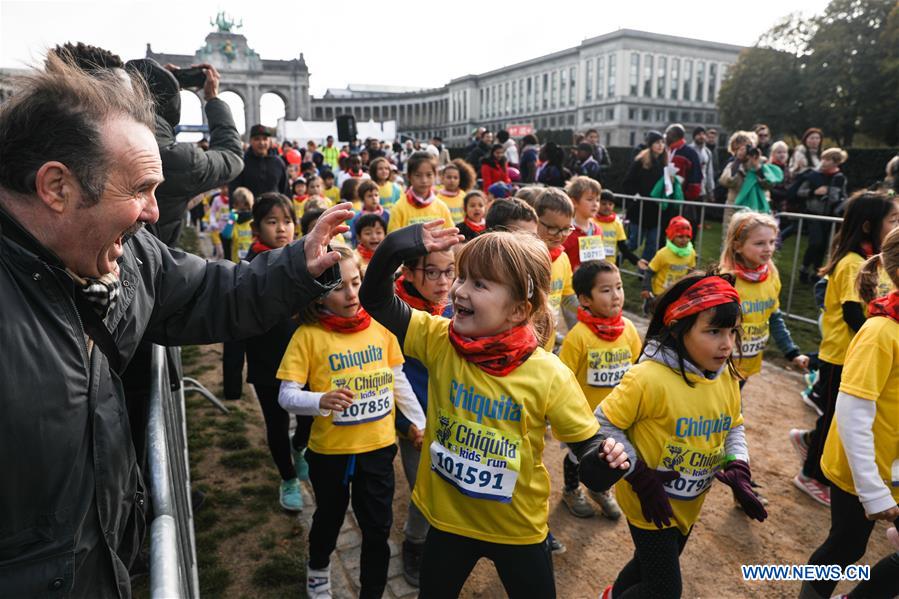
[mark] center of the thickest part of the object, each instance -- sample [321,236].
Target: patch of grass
[232,425]
[214,581]
[205,519]
[267,542]
[233,441]
[197,441]
[279,570]
[246,459]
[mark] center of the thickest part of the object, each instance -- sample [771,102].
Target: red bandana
[478,228]
[403,291]
[498,354]
[258,247]
[342,324]
[365,252]
[418,202]
[607,329]
[753,275]
[300,199]
[355,174]
[706,293]
[867,248]
[887,305]
[679,226]
[555,252]
[606,219]
[379,211]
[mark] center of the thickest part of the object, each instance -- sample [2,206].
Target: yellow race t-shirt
[835,333]
[674,427]
[669,268]
[403,214]
[559,287]
[759,301]
[241,240]
[612,233]
[332,194]
[871,372]
[597,364]
[481,473]
[362,362]
[455,203]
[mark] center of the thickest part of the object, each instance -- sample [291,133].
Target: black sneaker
[412,562]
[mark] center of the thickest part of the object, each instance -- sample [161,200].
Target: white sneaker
[814,489]
[799,442]
[318,583]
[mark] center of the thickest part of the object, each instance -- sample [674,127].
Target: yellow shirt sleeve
[620,235]
[446,215]
[397,217]
[693,259]
[423,334]
[568,411]
[624,405]
[658,261]
[567,287]
[869,362]
[847,291]
[572,352]
[295,365]
[394,353]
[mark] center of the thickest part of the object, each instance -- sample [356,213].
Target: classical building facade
[622,83]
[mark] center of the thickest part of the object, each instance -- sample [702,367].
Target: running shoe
[607,504]
[812,488]
[555,545]
[799,441]
[577,504]
[607,592]
[318,583]
[290,496]
[808,398]
[300,463]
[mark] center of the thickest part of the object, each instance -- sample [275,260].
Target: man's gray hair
[57,114]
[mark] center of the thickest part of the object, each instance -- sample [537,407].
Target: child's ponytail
[888,259]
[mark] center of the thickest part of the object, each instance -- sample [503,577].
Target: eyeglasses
[432,274]
[556,231]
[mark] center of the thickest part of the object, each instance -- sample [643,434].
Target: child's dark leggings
[370,475]
[827,388]
[654,570]
[277,430]
[846,544]
[526,571]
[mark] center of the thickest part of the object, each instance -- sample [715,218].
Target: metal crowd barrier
[173,559]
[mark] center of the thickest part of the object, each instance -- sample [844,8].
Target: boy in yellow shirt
[554,214]
[420,205]
[599,350]
[671,263]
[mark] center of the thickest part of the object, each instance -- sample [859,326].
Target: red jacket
[491,173]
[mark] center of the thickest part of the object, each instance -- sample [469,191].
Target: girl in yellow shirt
[389,192]
[420,205]
[599,350]
[678,413]
[491,389]
[353,369]
[457,178]
[861,455]
[869,217]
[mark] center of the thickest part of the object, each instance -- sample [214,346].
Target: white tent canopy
[302,131]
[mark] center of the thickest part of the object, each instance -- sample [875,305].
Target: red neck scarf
[677,145]
[498,354]
[867,248]
[449,194]
[752,275]
[355,174]
[342,324]
[379,211]
[365,252]
[706,293]
[555,252]
[478,228]
[258,247]
[607,329]
[406,292]
[887,305]
[300,199]
[418,202]
[606,219]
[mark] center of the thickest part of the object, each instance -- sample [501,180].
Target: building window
[700,81]
[713,81]
[588,116]
[647,75]
[672,116]
[598,115]
[572,87]
[552,121]
[661,72]
[697,117]
[632,114]
[545,90]
[645,115]
[660,116]
[610,114]
[684,116]
[633,138]
[709,118]
[555,89]
[634,74]
[613,68]
[571,118]
[509,98]
[675,77]
[688,79]
[521,95]
[600,74]
[588,80]
[563,87]
[529,86]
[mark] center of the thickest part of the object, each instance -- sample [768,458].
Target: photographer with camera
[747,158]
[187,169]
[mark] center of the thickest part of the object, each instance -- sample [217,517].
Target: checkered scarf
[101,293]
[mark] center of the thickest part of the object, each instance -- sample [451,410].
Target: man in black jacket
[81,284]
[187,169]
[262,171]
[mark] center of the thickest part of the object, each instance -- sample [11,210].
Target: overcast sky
[394,42]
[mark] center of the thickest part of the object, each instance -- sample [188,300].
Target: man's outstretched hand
[315,243]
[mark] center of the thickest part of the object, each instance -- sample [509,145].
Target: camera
[192,78]
[752,151]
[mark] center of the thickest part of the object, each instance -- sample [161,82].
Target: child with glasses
[554,214]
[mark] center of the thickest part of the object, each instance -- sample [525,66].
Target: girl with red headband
[861,455]
[353,369]
[672,262]
[599,350]
[481,481]
[677,411]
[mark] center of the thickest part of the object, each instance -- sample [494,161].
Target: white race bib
[372,396]
[697,468]
[590,247]
[755,339]
[606,368]
[479,461]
